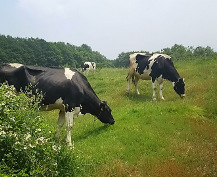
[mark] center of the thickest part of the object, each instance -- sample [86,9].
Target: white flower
[17,142]
[38,130]
[2,103]
[12,118]
[56,148]
[28,136]
[31,146]
[41,140]
[55,164]
[3,133]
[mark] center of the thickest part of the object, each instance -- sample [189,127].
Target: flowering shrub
[26,145]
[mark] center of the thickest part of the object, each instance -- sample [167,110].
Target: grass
[175,137]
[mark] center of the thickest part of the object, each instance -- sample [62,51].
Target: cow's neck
[171,74]
[91,104]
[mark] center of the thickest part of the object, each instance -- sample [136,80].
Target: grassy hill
[175,137]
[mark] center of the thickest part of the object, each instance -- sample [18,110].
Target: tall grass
[175,137]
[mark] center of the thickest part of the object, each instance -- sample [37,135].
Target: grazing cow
[62,88]
[89,66]
[154,67]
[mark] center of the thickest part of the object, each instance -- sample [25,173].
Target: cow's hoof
[71,145]
[162,98]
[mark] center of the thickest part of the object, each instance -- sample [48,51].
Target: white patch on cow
[159,54]
[69,73]
[76,112]
[146,72]
[15,65]
[59,101]
[166,56]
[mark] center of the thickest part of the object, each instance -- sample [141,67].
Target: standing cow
[62,88]
[88,66]
[154,67]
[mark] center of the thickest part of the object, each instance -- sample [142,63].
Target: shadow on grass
[94,132]
[133,96]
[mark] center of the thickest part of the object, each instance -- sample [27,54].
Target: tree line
[35,51]
[177,52]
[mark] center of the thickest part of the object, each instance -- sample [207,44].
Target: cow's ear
[102,105]
[181,80]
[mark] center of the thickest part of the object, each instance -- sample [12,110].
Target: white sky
[113,26]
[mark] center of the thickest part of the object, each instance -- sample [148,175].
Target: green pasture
[176,137]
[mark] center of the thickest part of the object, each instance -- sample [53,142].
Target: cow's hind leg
[136,85]
[128,82]
[69,124]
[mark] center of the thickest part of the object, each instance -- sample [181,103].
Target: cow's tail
[133,78]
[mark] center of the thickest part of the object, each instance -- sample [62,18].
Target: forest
[39,52]
[35,51]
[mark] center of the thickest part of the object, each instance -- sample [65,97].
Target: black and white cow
[154,67]
[63,89]
[89,66]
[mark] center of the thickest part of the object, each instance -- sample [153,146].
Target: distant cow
[62,88]
[89,66]
[154,67]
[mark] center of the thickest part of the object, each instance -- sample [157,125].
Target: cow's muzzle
[111,122]
[182,95]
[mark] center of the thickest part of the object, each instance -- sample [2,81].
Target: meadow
[175,137]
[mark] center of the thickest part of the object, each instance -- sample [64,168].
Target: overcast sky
[113,26]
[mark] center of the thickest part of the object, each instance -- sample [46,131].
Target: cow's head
[85,67]
[105,115]
[179,87]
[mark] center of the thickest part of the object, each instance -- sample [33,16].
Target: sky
[113,26]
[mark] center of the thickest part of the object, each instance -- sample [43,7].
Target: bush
[27,146]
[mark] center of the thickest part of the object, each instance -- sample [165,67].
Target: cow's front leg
[154,90]
[161,90]
[61,121]
[69,124]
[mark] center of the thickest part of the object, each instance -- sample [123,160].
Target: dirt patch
[154,169]
[169,169]
[198,152]
[118,169]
